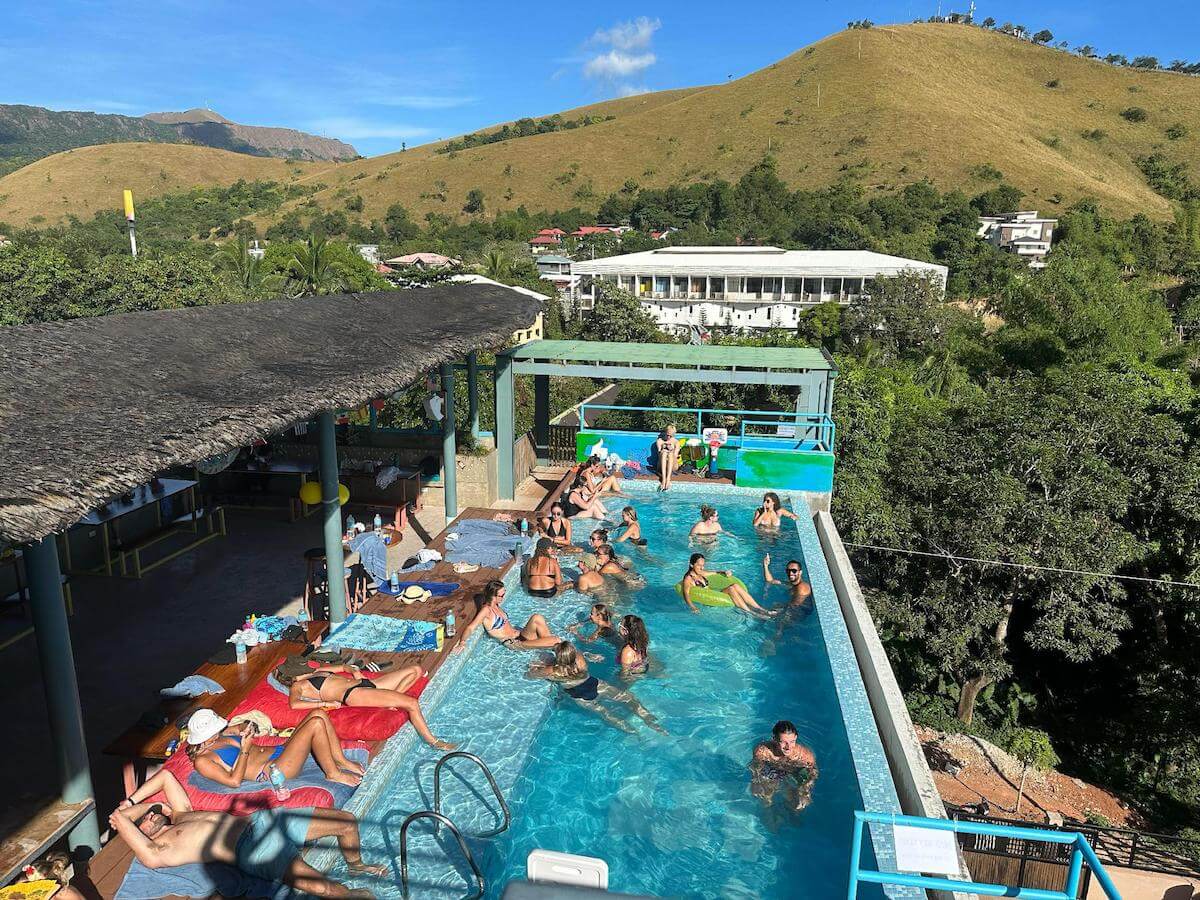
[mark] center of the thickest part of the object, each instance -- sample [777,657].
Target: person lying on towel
[266,844]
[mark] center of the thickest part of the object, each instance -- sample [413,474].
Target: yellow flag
[129,204]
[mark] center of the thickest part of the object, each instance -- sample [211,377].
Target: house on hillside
[584,231]
[557,270]
[369,252]
[661,234]
[740,288]
[1022,233]
[546,239]
[424,261]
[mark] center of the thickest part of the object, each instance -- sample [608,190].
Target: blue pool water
[671,815]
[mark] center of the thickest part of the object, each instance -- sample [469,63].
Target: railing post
[1132,849]
[1072,886]
[855,857]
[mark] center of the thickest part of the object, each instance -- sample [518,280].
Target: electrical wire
[999,562]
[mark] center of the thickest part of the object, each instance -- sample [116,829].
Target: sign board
[716,436]
[926,850]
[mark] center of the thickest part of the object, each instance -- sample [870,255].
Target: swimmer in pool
[771,514]
[569,669]
[709,524]
[633,528]
[799,604]
[783,763]
[697,577]
[542,575]
[601,617]
[634,657]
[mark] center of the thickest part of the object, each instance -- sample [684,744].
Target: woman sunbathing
[226,754]
[569,669]
[332,687]
[536,633]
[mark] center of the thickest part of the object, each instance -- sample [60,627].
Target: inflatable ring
[712,595]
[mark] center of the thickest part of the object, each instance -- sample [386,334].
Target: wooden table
[141,747]
[301,468]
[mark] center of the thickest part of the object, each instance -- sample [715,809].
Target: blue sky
[376,74]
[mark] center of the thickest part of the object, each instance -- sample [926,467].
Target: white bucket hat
[414,593]
[203,725]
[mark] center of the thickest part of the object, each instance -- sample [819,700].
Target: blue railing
[1081,852]
[808,430]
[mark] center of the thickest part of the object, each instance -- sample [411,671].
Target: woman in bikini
[542,575]
[634,657]
[709,524]
[582,502]
[535,635]
[556,526]
[771,514]
[696,577]
[570,671]
[633,528]
[228,755]
[665,456]
[335,686]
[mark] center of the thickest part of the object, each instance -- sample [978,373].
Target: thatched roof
[91,408]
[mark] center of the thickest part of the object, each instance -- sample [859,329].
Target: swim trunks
[272,839]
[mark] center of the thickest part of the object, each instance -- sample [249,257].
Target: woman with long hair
[542,574]
[771,514]
[582,502]
[697,577]
[570,671]
[634,657]
[556,526]
[709,524]
[491,615]
[633,528]
[602,618]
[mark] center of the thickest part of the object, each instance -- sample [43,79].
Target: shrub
[1052,83]
[1133,114]
[1094,134]
[1052,141]
[1176,131]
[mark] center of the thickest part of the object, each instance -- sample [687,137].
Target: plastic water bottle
[450,628]
[278,781]
[240,647]
[302,615]
[350,523]
[395,582]
[378,524]
[524,527]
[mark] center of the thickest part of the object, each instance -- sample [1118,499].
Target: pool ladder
[437,815]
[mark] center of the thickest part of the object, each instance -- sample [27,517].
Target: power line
[999,562]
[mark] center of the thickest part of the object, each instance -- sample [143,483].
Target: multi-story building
[1022,233]
[741,287]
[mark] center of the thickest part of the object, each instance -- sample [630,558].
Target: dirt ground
[992,774]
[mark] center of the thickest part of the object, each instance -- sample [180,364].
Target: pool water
[671,815]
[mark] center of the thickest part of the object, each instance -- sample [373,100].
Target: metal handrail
[462,845]
[799,419]
[437,789]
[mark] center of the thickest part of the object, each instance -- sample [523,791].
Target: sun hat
[203,725]
[414,593]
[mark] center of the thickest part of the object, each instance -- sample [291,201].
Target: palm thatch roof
[91,408]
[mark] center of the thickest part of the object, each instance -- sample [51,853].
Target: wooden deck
[107,870]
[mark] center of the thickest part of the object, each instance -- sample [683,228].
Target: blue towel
[275,626]
[436,588]
[372,551]
[486,543]
[196,880]
[362,631]
[310,776]
[193,686]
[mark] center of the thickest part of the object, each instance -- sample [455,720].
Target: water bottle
[524,527]
[395,582]
[302,615]
[240,647]
[350,523]
[277,782]
[450,629]
[378,524]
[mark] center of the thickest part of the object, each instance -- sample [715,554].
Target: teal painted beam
[331,516]
[449,450]
[541,416]
[473,394]
[59,683]
[677,374]
[503,380]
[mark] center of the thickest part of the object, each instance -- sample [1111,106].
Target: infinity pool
[671,815]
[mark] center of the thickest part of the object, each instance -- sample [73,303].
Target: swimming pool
[672,816]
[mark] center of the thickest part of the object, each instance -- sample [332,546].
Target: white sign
[926,850]
[715,436]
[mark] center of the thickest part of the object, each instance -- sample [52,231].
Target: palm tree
[246,270]
[496,265]
[312,269]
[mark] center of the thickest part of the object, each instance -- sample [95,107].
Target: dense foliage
[518,129]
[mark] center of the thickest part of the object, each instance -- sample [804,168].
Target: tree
[397,224]
[474,202]
[1044,36]
[1145,62]
[496,265]
[999,200]
[1031,748]
[246,271]
[618,316]
[1087,51]
[1116,59]
[36,284]
[312,269]
[989,22]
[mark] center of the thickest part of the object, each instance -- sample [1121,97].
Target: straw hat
[203,725]
[414,593]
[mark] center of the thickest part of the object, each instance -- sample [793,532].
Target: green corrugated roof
[708,356]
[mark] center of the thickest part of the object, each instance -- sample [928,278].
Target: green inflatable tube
[711,595]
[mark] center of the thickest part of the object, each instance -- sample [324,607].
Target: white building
[741,287]
[557,270]
[1022,233]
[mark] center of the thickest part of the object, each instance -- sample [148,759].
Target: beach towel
[310,776]
[372,552]
[437,588]
[486,543]
[362,631]
[193,686]
[196,880]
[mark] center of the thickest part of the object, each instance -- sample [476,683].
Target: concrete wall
[914,783]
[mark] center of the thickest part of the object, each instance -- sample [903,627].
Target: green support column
[58,679]
[473,395]
[331,516]
[449,450]
[541,416]
[503,380]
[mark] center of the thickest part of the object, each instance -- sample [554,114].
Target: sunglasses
[793,571]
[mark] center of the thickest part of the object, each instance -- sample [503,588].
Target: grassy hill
[890,105]
[82,181]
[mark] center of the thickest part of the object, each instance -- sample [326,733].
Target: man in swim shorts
[266,844]
[783,763]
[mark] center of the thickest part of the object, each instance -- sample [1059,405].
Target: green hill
[889,105]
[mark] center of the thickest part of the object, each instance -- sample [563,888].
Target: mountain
[28,133]
[887,105]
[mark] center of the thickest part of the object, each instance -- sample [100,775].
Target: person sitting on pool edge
[228,756]
[664,456]
[265,844]
[582,502]
[556,526]
[569,670]
[781,761]
[633,528]
[771,514]
[541,574]
[600,478]
[696,577]
[535,635]
[708,524]
[335,686]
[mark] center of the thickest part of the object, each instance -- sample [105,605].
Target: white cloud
[629,54]
[632,90]
[352,128]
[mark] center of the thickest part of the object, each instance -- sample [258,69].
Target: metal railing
[1081,852]
[437,789]
[816,428]
[462,845]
